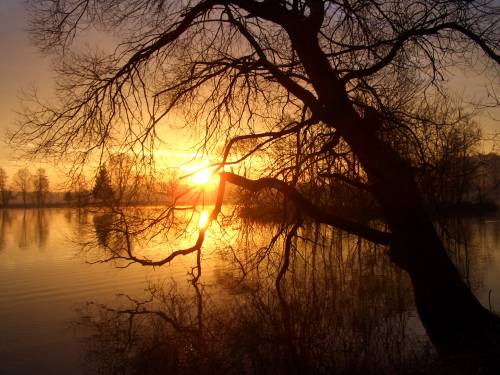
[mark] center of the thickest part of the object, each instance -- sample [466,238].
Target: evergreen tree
[102,190]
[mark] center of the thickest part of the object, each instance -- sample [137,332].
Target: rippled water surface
[44,281]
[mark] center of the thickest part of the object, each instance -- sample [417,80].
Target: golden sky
[22,67]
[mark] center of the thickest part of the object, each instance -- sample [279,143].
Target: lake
[48,327]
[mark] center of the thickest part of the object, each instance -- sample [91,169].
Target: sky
[23,67]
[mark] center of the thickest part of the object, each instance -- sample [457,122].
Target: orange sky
[21,67]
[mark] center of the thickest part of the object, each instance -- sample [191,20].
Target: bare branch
[308,207]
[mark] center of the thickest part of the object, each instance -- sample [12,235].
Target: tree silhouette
[41,186]
[80,191]
[102,190]
[22,181]
[303,93]
[68,197]
[5,193]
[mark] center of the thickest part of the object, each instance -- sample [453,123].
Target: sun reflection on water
[203,222]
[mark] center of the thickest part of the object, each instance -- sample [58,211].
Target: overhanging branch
[308,207]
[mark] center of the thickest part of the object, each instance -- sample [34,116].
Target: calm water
[43,280]
[45,283]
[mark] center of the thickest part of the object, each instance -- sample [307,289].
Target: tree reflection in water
[5,226]
[34,228]
[103,225]
[336,305]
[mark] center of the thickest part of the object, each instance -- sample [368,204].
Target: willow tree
[317,91]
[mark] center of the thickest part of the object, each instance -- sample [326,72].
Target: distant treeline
[468,184]
[27,189]
[122,181]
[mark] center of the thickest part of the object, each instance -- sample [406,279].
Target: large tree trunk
[454,319]
[457,324]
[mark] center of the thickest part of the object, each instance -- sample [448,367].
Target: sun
[199,174]
[201,177]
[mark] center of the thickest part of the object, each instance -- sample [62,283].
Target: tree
[5,193]
[3,180]
[102,190]
[81,194]
[68,197]
[22,182]
[125,177]
[445,171]
[317,91]
[41,186]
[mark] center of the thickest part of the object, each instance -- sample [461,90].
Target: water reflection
[41,231]
[24,232]
[33,229]
[103,225]
[78,216]
[468,247]
[5,225]
[339,307]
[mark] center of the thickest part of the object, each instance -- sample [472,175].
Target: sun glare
[203,222]
[198,174]
[201,177]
